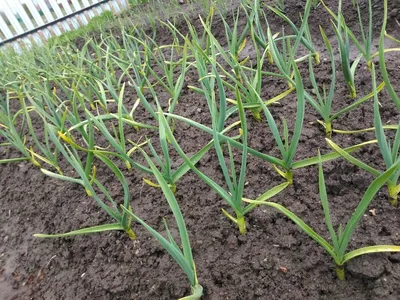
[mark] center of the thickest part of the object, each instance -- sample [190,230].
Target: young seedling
[184,256]
[324,103]
[204,41]
[236,43]
[302,35]
[390,152]
[340,238]
[252,87]
[45,153]
[363,46]
[13,136]
[122,116]
[164,161]
[247,79]
[233,197]
[348,68]
[260,37]
[169,68]
[287,148]
[88,180]
[253,14]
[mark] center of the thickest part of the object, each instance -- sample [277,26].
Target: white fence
[27,22]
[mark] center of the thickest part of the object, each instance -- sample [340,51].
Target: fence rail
[24,23]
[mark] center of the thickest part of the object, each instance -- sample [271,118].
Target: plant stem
[88,192]
[172,186]
[392,190]
[127,226]
[130,233]
[242,225]
[197,292]
[256,115]
[369,65]
[270,58]
[316,58]
[328,129]
[340,272]
[353,92]
[289,176]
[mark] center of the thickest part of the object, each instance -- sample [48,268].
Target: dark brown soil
[274,260]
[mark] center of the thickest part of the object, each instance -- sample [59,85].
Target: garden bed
[274,260]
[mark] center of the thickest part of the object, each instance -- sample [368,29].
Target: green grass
[95,24]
